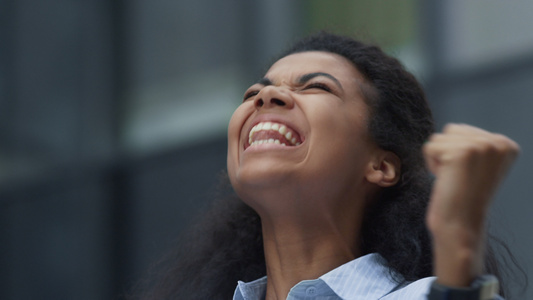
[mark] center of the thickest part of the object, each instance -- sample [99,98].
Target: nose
[272,96]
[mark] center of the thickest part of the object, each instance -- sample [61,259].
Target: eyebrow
[265,81]
[303,79]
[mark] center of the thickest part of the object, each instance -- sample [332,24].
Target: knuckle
[505,144]
[476,149]
[451,127]
[502,140]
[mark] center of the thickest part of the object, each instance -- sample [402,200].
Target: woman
[330,149]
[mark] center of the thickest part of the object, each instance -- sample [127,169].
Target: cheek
[236,123]
[235,126]
[340,137]
[337,122]
[237,118]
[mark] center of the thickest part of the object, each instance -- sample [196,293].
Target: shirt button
[310,291]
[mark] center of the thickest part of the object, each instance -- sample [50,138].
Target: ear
[384,170]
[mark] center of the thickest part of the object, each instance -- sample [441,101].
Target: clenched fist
[469,163]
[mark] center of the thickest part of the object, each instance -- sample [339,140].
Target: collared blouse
[364,278]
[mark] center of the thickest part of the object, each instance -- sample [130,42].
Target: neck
[308,230]
[304,248]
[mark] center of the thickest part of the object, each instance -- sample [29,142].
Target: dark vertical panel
[56,110]
[56,232]
[167,193]
[120,247]
[100,76]
[172,40]
[7,91]
[5,249]
[61,83]
[269,28]
[47,79]
[432,29]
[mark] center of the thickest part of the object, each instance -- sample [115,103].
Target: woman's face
[302,126]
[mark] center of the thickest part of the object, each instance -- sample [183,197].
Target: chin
[258,177]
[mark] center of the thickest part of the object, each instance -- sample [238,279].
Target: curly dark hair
[227,245]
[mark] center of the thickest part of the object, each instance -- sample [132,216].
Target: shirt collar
[251,290]
[366,277]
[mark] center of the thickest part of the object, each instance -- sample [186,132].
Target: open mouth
[273,133]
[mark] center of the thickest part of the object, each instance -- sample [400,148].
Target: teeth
[282,129]
[269,141]
[288,136]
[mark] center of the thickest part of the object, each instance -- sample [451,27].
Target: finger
[481,142]
[463,129]
[454,129]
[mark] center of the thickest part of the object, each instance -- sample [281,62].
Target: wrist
[458,270]
[482,288]
[458,256]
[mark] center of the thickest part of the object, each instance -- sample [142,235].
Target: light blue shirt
[365,278]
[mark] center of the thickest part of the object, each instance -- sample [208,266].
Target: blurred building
[113,116]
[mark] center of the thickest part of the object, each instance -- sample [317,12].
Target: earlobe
[385,170]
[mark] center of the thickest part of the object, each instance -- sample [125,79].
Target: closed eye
[318,85]
[249,95]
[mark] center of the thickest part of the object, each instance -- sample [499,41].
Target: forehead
[294,65]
